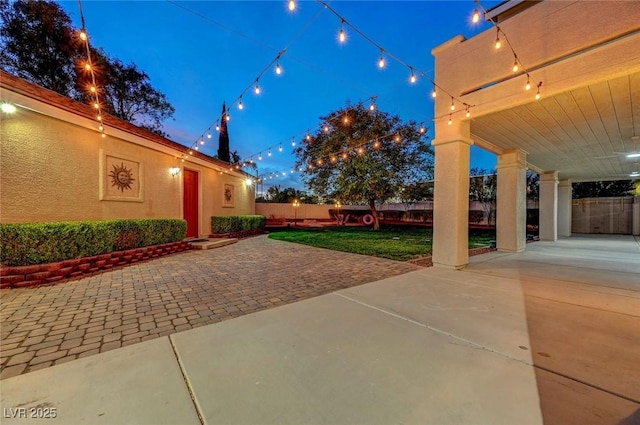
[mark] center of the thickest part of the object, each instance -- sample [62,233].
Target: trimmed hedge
[237,223]
[38,243]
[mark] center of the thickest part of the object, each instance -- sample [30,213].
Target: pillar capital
[512,158]
[549,177]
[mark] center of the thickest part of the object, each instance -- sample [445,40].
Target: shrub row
[38,243]
[237,223]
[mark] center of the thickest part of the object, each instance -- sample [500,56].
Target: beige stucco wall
[547,32]
[50,171]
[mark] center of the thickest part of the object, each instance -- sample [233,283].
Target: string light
[412,77]
[528,85]
[468,111]
[280,147]
[217,127]
[475,18]
[515,65]
[381,62]
[269,152]
[240,105]
[278,68]
[257,88]
[538,91]
[209,134]
[293,141]
[260,156]
[498,43]
[292,5]
[453,106]
[342,36]
[434,93]
[450,120]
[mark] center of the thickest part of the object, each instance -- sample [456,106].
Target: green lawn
[395,243]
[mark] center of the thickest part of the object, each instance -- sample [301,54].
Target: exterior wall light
[7,108]
[174,171]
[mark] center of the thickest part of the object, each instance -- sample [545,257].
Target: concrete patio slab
[139,384]
[331,360]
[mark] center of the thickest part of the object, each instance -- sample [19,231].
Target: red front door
[190,206]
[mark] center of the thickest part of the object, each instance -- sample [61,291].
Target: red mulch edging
[241,234]
[39,274]
[428,262]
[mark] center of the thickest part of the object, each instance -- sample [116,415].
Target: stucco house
[55,166]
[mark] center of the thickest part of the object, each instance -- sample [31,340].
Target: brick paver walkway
[54,324]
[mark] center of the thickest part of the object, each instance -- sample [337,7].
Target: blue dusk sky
[202,53]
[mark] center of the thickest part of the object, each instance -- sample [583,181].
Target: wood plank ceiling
[584,133]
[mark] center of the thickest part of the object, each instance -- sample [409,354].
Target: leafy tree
[636,188]
[131,97]
[483,186]
[533,185]
[38,44]
[286,196]
[600,189]
[358,155]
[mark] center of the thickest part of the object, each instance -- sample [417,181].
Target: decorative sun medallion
[121,177]
[227,194]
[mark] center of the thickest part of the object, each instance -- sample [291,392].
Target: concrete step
[211,243]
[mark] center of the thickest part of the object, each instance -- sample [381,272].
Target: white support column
[451,196]
[548,209]
[564,208]
[635,226]
[511,221]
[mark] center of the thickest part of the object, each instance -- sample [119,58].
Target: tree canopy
[362,156]
[600,189]
[39,44]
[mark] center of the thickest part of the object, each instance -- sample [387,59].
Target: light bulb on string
[342,35]
[269,152]
[240,105]
[498,43]
[209,134]
[515,66]
[202,141]
[256,90]
[280,147]
[104,135]
[326,128]
[376,144]
[360,150]
[217,127]
[422,129]
[453,106]
[450,120]
[528,85]
[381,61]
[334,159]
[87,66]
[292,5]
[278,68]
[468,111]
[308,137]
[372,107]
[475,18]
[260,156]
[227,117]
[83,35]
[93,89]
[434,93]
[538,91]
[293,141]
[345,155]
[412,77]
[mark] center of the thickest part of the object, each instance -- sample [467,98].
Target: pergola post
[564,208]
[548,225]
[451,196]
[511,200]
